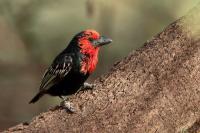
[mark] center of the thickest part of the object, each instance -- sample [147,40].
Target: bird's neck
[89,60]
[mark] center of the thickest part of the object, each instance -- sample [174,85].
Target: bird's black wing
[56,72]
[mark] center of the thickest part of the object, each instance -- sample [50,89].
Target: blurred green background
[33,32]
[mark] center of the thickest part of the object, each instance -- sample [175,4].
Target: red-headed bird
[71,68]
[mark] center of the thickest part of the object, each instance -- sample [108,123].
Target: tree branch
[155,89]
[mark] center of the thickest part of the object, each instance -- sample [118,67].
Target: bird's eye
[91,40]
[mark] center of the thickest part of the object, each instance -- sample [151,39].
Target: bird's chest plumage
[89,60]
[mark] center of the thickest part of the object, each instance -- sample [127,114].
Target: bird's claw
[68,106]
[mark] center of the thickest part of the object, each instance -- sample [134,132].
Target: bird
[69,71]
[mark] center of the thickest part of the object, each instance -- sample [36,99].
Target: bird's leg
[65,103]
[87,86]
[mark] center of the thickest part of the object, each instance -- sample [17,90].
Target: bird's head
[92,39]
[89,42]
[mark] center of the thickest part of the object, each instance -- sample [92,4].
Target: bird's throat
[89,60]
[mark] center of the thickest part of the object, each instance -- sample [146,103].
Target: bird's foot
[87,86]
[68,106]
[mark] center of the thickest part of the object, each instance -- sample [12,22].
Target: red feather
[88,64]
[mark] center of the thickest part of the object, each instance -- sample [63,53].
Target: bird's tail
[36,97]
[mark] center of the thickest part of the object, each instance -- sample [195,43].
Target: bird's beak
[102,41]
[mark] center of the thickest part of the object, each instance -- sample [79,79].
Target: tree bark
[155,89]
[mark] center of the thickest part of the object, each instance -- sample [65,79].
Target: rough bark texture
[155,89]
